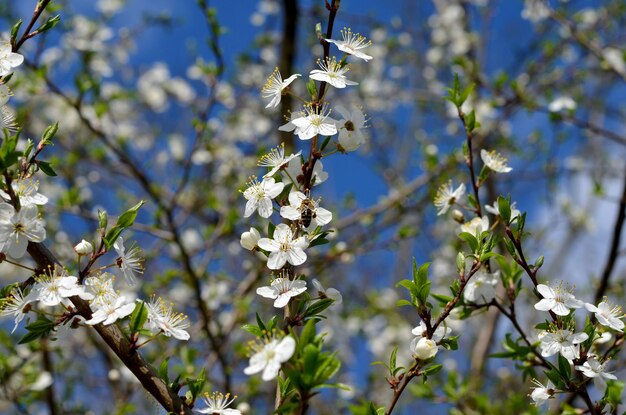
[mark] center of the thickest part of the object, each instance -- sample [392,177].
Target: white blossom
[27,191]
[482,287]
[495,210]
[607,315]
[557,299]
[259,196]
[352,44]
[541,393]
[164,320]
[447,196]
[217,404]
[562,103]
[283,248]
[350,128]
[8,58]
[561,341]
[281,290]
[56,287]
[332,72]
[270,357]
[294,169]
[331,293]
[314,121]
[476,226]
[15,304]
[495,161]
[130,262]
[275,86]
[17,228]
[592,368]
[276,160]
[109,313]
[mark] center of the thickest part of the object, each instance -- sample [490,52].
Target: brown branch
[287,57]
[119,344]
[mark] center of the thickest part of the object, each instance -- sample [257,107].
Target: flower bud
[458,216]
[83,248]
[249,239]
[425,349]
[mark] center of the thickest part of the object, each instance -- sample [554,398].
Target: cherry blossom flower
[561,341]
[332,72]
[420,331]
[592,368]
[495,161]
[17,228]
[350,128]
[352,44]
[476,226]
[275,86]
[250,239]
[109,313]
[164,320]
[314,122]
[541,393]
[56,287]
[26,190]
[15,304]
[447,196]
[562,103]
[481,288]
[607,315]
[8,58]
[259,196]
[101,287]
[283,248]
[130,262]
[331,293]
[217,403]
[276,160]
[299,204]
[281,290]
[557,300]
[270,357]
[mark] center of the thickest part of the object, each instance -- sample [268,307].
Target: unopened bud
[250,239]
[425,349]
[458,216]
[83,248]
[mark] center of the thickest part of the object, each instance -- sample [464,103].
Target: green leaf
[45,167]
[14,30]
[49,24]
[270,230]
[432,369]
[252,329]
[318,306]
[127,218]
[138,317]
[163,372]
[564,367]
[38,329]
[49,133]
[471,240]
[504,208]
[401,303]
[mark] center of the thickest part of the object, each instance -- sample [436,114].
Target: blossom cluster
[286,189]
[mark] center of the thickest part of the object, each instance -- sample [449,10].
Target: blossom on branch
[557,299]
[314,121]
[494,161]
[269,357]
[332,72]
[259,196]
[164,320]
[608,315]
[283,248]
[17,228]
[352,44]
[276,160]
[130,262]
[281,290]
[447,196]
[8,58]
[561,341]
[300,205]
[275,86]
[217,403]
